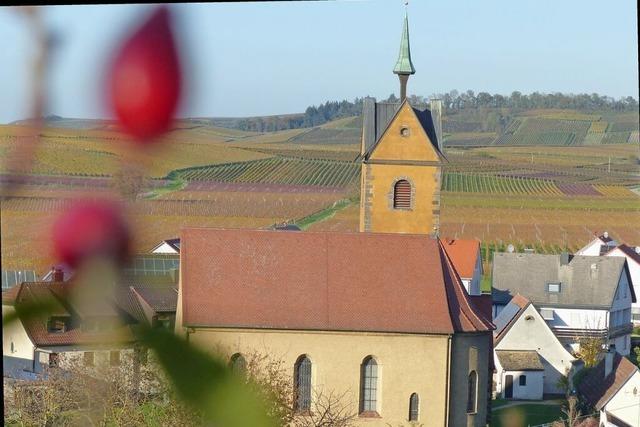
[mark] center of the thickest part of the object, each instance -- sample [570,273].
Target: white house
[576,295]
[520,374]
[613,388]
[522,334]
[92,330]
[632,254]
[170,246]
[600,245]
[467,260]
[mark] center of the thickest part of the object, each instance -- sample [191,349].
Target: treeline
[453,102]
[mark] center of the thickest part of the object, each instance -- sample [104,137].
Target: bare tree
[327,410]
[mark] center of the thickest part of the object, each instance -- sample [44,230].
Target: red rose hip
[91,229]
[145,79]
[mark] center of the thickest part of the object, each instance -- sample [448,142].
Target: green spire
[404,65]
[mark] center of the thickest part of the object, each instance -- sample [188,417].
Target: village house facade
[576,295]
[529,358]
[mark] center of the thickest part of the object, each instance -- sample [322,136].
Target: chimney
[57,275]
[564,258]
[608,360]
[368,123]
[436,115]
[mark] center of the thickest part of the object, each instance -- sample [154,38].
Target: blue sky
[275,58]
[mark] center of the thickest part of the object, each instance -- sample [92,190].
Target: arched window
[472,392]
[302,383]
[402,195]
[369,385]
[414,405]
[238,363]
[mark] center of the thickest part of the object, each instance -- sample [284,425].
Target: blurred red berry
[91,229]
[145,79]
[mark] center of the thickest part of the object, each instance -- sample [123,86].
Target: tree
[590,349]
[128,181]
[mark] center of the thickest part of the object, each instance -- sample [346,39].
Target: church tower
[401,160]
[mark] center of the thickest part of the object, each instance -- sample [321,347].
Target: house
[10,278]
[378,316]
[58,273]
[613,389]
[576,295]
[529,358]
[632,254]
[75,325]
[467,259]
[600,245]
[170,246]
[526,368]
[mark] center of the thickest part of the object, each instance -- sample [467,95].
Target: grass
[528,414]
[324,214]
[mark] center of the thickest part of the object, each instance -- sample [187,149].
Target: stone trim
[391,192]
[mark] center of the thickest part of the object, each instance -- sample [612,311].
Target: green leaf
[207,383]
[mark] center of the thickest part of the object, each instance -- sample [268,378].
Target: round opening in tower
[405,132]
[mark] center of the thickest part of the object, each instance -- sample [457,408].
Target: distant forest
[454,102]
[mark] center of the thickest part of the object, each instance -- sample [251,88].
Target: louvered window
[369,385]
[402,195]
[302,375]
[414,404]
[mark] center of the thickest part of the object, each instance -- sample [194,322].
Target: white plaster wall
[533,390]
[535,335]
[578,318]
[591,249]
[15,332]
[634,270]
[625,404]
[164,249]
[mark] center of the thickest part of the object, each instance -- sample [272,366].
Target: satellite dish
[510,248]
[605,235]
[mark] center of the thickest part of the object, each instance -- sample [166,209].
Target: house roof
[631,252]
[173,243]
[483,304]
[597,389]
[322,281]
[520,360]
[508,316]
[160,299]
[67,272]
[464,253]
[586,281]
[56,294]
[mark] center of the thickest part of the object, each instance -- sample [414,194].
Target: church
[380,316]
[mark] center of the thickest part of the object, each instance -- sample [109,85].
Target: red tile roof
[57,294]
[322,281]
[597,389]
[464,254]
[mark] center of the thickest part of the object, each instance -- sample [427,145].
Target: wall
[634,270]
[21,357]
[577,318]
[471,352]
[534,388]
[591,249]
[535,335]
[625,404]
[407,364]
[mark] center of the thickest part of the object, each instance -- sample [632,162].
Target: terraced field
[286,171]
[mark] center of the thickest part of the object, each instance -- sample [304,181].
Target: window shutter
[402,195]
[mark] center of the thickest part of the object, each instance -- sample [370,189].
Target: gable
[415,146]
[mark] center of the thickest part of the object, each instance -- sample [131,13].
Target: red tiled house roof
[322,281]
[464,254]
[597,389]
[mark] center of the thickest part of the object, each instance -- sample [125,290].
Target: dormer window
[554,287]
[57,325]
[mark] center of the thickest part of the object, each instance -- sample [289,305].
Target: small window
[553,287]
[523,380]
[405,131]
[238,363]
[114,358]
[546,313]
[302,375]
[472,392]
[88,358]
[402,195]
[414,404]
